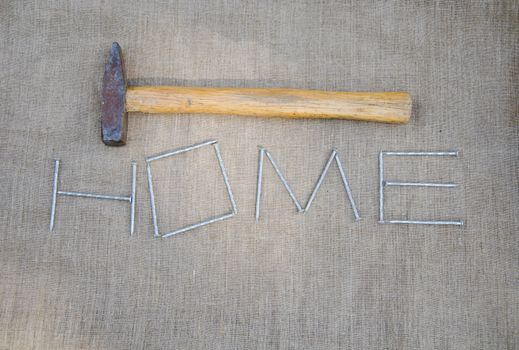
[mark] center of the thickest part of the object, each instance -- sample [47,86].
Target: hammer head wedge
[114,119]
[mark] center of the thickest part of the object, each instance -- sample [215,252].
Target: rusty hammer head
[114,119]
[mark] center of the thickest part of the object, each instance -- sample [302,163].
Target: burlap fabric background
[290,281]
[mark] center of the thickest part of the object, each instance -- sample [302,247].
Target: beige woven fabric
[291,281]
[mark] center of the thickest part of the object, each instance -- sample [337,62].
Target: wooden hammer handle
[385,107]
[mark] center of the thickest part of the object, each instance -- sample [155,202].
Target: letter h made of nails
[57,192]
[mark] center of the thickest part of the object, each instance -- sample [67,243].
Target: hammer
[118,99]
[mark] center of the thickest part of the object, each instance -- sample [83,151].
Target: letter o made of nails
[154,215]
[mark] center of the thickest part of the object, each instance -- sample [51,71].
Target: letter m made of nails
[300,209]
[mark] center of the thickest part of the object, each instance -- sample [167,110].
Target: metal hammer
[118,99]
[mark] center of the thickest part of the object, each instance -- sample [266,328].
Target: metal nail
[200,224]
[320,181]
[94,195]
[381,187]
[180,150]
[285,183]
[54,194]
[421,222]
[260,182]
[133,198]
[225,177]
[347,188]
[152,200]
[419,184]
[440,153]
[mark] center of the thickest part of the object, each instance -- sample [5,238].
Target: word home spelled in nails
[263,153]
